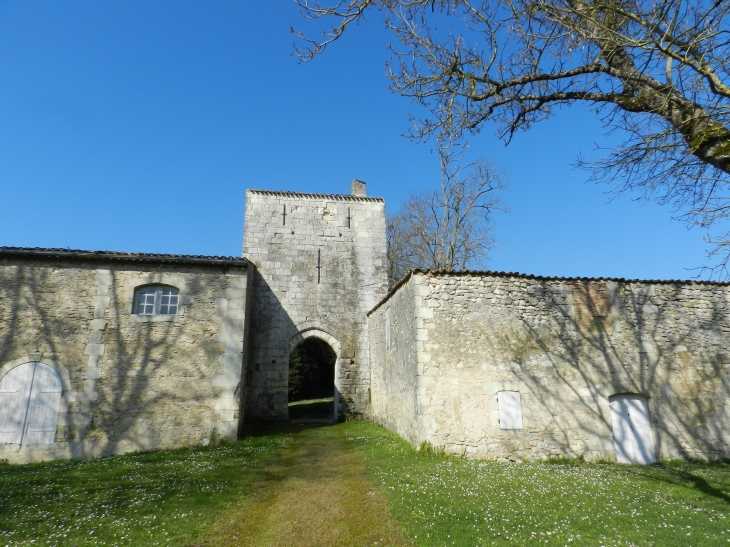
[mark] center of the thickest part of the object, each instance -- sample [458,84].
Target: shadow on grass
[312,410]
[671,473]
[679,475]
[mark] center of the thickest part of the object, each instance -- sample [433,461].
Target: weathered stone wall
[129,383]
[319,269]
[567,346]
[394,372]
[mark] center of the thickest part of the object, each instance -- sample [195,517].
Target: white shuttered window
[510,409]
[30,395]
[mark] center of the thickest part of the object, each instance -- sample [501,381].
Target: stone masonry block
[97,324]
[94,349]
[232,335]
[226,415]
[223,381]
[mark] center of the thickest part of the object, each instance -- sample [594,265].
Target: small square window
[156,300]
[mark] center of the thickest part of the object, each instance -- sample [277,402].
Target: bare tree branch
[448,228]
[658,71]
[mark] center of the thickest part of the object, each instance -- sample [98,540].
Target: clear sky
[138,126]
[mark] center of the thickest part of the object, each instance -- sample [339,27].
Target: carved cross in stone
[349,218]
[284,216]
[319,265]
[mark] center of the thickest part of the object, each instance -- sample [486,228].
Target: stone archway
[312,334]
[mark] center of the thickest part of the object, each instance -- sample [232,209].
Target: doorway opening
[312,381]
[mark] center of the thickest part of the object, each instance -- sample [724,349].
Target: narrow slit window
[156,300]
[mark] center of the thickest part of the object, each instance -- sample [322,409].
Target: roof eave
[105,256]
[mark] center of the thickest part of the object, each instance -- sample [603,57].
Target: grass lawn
[356,484]
[156,498]
[451,501]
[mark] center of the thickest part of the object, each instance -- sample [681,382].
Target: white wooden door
[14,396]
[45,398]
[632,436]
[30,395]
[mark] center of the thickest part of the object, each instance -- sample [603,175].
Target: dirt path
[317,494]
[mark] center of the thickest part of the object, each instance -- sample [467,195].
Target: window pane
[156,300]
[170,304]
[145,301]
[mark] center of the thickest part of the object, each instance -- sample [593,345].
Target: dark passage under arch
[311,380]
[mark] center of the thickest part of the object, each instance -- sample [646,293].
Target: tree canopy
[657,70]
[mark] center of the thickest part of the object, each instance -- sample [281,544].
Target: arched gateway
[320,266]
[317,355]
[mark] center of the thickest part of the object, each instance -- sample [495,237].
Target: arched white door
[632,429]
[30,395]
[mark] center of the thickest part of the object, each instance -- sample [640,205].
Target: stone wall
[566,345]
[129,382]
[394,357]
[320,263]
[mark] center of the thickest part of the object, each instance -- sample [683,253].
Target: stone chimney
[357,188]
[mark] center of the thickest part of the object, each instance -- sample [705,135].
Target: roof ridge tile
[340,197]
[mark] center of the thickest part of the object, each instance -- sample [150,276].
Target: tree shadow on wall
[651,349]
[144,387]
[139,374]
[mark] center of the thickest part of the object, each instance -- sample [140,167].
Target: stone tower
[320,263]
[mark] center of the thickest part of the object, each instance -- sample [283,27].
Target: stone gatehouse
[320,266]
[106,352]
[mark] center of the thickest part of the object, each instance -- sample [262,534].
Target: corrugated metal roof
[488,273]
[76,254]
[339,197]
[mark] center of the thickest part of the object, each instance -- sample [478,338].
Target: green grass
[316,493]
[318,409]
[156,498]
[330,400]
[275,477]
[451,501]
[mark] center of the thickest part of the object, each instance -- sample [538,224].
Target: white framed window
[387,328]
[156,300]
[510,409]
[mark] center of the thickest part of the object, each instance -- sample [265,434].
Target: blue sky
[138,126]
